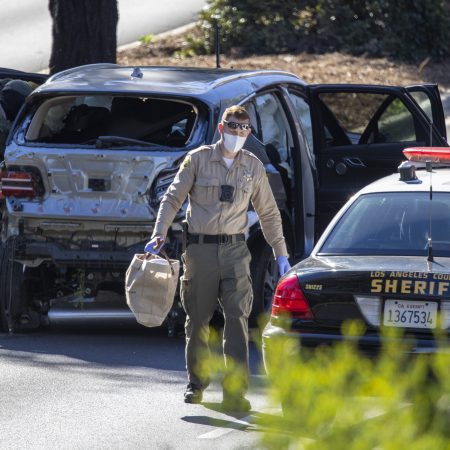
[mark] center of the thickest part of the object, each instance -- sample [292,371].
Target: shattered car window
[83,119]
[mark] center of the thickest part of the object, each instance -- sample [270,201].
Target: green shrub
[146,39]
[251,26]
[336,398]
[406,29]
[417,29]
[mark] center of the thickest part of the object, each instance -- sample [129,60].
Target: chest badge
[247,177]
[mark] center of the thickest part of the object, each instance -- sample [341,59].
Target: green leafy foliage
[146,39]
[405,29]
[418,29]
[336,397]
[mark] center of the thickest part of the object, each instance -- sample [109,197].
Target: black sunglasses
[236,125]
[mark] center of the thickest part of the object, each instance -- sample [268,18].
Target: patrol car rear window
[392,223]
[82,119]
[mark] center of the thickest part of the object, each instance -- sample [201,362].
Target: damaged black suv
[94,148]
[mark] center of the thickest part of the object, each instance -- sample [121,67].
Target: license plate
[409,314]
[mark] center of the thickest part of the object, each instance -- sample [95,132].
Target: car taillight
[19,184]
[289,299]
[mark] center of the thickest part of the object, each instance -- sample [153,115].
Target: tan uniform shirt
[200,176]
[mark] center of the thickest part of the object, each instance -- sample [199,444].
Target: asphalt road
[25,27]
[113,389]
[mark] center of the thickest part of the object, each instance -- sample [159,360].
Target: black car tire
[3,318]
[11,287]
[264,273]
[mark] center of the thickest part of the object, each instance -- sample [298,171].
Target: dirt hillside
[326,68]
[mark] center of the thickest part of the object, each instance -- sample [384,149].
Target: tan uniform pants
[212,273]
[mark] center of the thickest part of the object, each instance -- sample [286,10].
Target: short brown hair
[235,111]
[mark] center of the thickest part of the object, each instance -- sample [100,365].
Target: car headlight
[160,187]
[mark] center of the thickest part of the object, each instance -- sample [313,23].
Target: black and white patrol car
[383,260]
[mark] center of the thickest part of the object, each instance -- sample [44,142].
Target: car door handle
[356,163]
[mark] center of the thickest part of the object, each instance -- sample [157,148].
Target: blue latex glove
[283,265]
[155,245]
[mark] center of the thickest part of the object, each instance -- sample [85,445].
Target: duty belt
[215,238]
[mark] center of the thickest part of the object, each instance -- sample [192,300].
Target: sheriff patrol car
[383,260]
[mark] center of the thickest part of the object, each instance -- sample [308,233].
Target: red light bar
[424,154]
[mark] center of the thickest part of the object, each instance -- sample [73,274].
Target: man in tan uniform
[220,181]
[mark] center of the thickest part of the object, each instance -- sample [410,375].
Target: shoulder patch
[192,155]
[186,162]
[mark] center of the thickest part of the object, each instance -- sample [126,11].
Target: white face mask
[233,142]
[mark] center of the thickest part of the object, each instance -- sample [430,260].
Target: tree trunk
[84,32]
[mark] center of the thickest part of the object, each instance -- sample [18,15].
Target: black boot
[235,402]
[193,394]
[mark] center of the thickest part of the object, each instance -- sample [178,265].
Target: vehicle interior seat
[83,123]
[269,115]
[275,139]
[253,143]
[127,118]
[275,159]
[169,122]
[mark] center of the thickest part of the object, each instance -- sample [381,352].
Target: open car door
[360,132]
[427,96]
